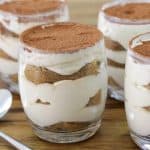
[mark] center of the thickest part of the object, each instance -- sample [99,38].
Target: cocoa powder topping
[61,37]
[29,7]
[131,11]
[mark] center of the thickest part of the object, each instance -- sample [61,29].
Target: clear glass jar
[137,91]
[117,33]
[12,23]
[63,94]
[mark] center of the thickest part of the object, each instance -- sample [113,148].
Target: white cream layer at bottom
[67,98]
[8,67]
[117,74]
[138,119]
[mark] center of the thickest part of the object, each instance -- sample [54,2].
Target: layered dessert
[17,16]
[63,80]
[137,87]
[119,22]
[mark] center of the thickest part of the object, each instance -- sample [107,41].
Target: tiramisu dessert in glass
[63,80]
[120,21]
[137,90]
[15,17]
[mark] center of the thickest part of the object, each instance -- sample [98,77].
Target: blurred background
[85,11]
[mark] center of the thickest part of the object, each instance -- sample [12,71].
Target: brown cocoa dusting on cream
[131,11]
[30,7]
[61,37]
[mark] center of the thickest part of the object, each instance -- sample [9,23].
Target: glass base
[142,141]
[62,137]
[116,93]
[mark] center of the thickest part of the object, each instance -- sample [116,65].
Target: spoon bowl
[5,102]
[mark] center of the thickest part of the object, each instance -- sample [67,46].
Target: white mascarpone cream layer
[8,67]
[121,33]
[137,73]
[67,99]
[17,27]
[137,83]
[117,74]
[118,56]
[137,95]
[10,45]
[89,85]
[65,64]
[138,119]
[50,115]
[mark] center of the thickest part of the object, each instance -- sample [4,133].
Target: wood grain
[113,135]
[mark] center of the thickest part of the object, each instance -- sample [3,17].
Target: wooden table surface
[113,135]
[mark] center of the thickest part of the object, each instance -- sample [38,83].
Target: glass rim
[135,42]
[40,14]
[114,19]
[27,47]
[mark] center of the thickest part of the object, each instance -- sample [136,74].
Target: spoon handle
[13,142]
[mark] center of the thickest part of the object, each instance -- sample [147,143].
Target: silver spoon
[5,104]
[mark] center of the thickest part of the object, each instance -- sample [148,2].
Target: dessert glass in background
[120,21]
[17,16]
[63,80]
[137,90]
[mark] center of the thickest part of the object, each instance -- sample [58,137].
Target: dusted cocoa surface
[61,37]
[131,11]
[5,56]
[113,45]
[115,64]
[143,49]
[40,75]
[29,7]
